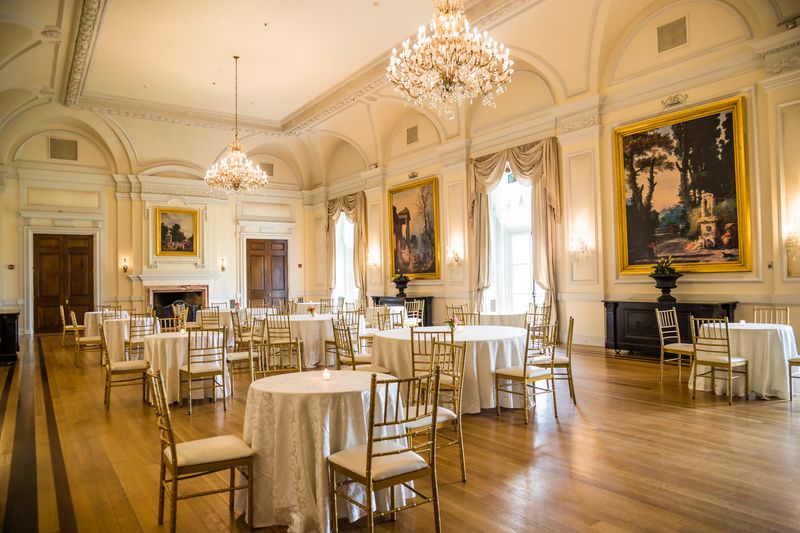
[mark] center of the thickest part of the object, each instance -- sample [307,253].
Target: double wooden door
[267,264]
[63,274]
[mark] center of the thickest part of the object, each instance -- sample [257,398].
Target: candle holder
[326,374]
[742,322]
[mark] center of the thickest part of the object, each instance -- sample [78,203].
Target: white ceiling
[180,52]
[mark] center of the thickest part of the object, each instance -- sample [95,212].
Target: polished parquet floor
[633,455]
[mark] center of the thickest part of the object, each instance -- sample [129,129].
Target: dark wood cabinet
[427,315]
[9,337]
[632,325]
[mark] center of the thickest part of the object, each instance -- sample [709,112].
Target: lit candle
[183,330]
[326,374]
[741,322]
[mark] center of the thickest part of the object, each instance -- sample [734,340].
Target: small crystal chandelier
[450,64]
[234,173]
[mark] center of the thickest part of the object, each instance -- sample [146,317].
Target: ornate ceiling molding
[85,38]
[780,52]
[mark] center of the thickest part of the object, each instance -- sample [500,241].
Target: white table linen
[302,307]
[93,319]
[487,349]
[767,348]
[312,330]
[294,422]
[503,318]
[167,352]
[117,331]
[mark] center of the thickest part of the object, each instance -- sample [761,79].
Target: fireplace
[193,296]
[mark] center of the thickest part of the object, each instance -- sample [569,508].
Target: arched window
[345,273]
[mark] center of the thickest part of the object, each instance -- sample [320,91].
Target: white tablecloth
[294,422]
[167,352]
[503,318]
[766,347]
[312,330]
[117,330]
[302,307]
[487,349]
[93,319]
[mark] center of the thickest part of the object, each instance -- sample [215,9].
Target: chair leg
[553,384]
[747,381]
[496,396]
[730,385]
[661,366]
[791,392]
[233,492]
[224,392]
[392,516]
[694,381]
[173,510]
[461,450]
[571,386]
[161,491]
[435,496]
[250,482]
[525,399]
[370,512]
[680,367]
[332,498]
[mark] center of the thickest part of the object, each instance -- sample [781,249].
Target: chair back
[710,339]
[541,341]
[415,310]
[468,319]
[103,347]
[345,337]
[290,307]
[422,347]
[180,312]
[140,325]
[209,317]
[159,397]
[279,329]
[238,329]
[668,329]
[169,324]
[352,318]
[206,346]
[61,310]
[450,359]
[538,315]
[570,331]
[387,421]
[223,304]
[256,302]
[326,306]
[452,309]
[340,302]
[771,314]
[74,321]
[390,319]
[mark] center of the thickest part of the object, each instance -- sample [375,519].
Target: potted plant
[666,278]
[401,282]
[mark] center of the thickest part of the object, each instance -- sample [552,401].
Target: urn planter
[666,282]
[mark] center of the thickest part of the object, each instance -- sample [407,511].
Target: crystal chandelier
[450,63]
[234,173]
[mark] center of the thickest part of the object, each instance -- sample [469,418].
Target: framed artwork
[176,232]
[681,188]
[414,229]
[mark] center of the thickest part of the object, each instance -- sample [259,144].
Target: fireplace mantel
[150,278]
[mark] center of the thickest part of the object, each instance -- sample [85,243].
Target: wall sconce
[373,263]
[222,264]
[792,245]
[579,248]
[454,257]
[125,265]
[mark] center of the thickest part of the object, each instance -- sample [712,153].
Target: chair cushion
[138,365]
[210,450]
[362,358]
[237,356]
[681,347]
[443,414]
[372,368]
[202,368]
[719,359]
[518,371]
[544,360]
[355,460]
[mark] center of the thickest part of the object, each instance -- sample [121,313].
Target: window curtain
[535,164]
[354,207]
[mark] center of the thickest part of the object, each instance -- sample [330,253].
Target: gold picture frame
[414,238]
[682,190]
[174,241]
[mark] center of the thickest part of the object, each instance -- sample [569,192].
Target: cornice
[780,52]
[88,26]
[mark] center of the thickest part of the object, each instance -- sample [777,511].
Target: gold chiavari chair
[209,318]
[140,326]
[468,319]
[256,302]
[452,309]
[712,348]
[258,347]
[390,458]
[280,341]
[170,324]
[670,335]
[205,361]
[415,310]
[129,372]
[390,319]
[189,459]
[449,359]
[326,306]
[563,362]
[422,347]
[181,312]
[794,362]
[239,360]
[278,358]
[290,307]
[84,343]
[542,339]
[351,318]
[68,327]
[771,314]
[538,315]
[241,332]
[348,357]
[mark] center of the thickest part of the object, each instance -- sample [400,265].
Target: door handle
[67,302]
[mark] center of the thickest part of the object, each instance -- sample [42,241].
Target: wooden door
[63,274]
[267,265]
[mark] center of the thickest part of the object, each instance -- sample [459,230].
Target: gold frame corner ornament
[436,223]
[737,108]
[195,225]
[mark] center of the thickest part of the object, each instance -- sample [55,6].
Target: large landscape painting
[176,232]
[414,226]
[682,191]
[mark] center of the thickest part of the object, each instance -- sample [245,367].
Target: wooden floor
[633,455]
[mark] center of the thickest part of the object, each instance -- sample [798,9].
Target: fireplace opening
[192,297]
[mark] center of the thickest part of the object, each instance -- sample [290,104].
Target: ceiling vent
[66,149]
[268,168]
[412,135]
[672,35]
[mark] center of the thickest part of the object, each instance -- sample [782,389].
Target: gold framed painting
[414,229]
[176,232]
[682,190]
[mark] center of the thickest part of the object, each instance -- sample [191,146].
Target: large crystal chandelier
[234,173]
[450,63]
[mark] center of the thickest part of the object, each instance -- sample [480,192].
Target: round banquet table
[503,318]
[766,348]
[294,422]
[117,331]
[167,352]
[487,349]
[312,330]
[93,319]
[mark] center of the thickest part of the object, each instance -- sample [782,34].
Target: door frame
[27,265]
[241,275]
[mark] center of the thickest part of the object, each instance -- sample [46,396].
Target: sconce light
[793,244]
[373,263]
[222,264]
[578,247]
[454,257]
[125,265]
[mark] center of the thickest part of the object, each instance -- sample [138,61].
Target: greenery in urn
[400,278]
[401,282]
[664,267]
[666,277]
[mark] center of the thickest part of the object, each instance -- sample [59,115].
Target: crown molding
[85,38]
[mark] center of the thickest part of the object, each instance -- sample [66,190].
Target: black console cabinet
[633,326]
[9,337]
[427,314]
